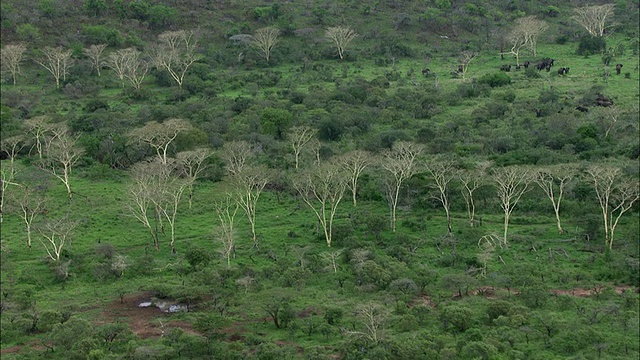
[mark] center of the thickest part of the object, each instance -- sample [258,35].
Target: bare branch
[11,56]
[341,36]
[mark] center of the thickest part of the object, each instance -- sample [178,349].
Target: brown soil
[145,322]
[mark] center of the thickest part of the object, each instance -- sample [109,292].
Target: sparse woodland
[319,180]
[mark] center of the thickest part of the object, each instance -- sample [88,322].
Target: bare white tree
[120,263]
[594,18]
[442,172]
[400,163]
[56,234]
[616,195]
[30,205]
[249,184]
[175,53]
[57,61]
[128,64]
[160,135]
[169,194]
[39,127]
[236,155]
[94,53]
[553,180]
[140,192]
[525,34]
[322,189]
[354,164]
[11,146]
[373,316]
[511,183]
[11,56]
[341,36]
[299,136]
[465,59]
[136,68]
[226,210]
[192,165]
[63,153]
[332,257]
[471,181]
[265,39]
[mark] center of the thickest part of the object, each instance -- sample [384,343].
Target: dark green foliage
[438,305]
[478,350]
[100,34]
[275,122]
[495,80]
[456,318]
[471,90]
[331,129]
[95,7]
[197,256]
[333,315]
[591,45]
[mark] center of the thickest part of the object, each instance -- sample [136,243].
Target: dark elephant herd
[545,64]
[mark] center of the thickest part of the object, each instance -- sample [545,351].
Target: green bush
[470,90]
[495,80]
[101,34]
[591,45]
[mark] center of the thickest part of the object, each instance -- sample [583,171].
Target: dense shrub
[495,80]
[591,45]
[470,90]
[101,34]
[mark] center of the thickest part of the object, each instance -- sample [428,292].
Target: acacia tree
[616,195]
[250,182]
[57,61]
[136,68]
[525,34]
[140,192]
[400,163]
[553,181]
[511,183]
[175,53]
[94,53]
[341,36]
[373,316]
[160,135]
[56,234]
[594,18]
[11,56]
[226,210]
[332,258]
[11,146]
[313,149]
[299,136]
[471,181]
[465,59]
[30,205]
[192,165]
[442,172]
[322,188]
[169,193]
[128,64]
[62,155]
[265,39]
[117,61]
[39,127]
[236,155]
[354,163]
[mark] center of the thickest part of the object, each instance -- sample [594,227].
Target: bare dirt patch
[145,322]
